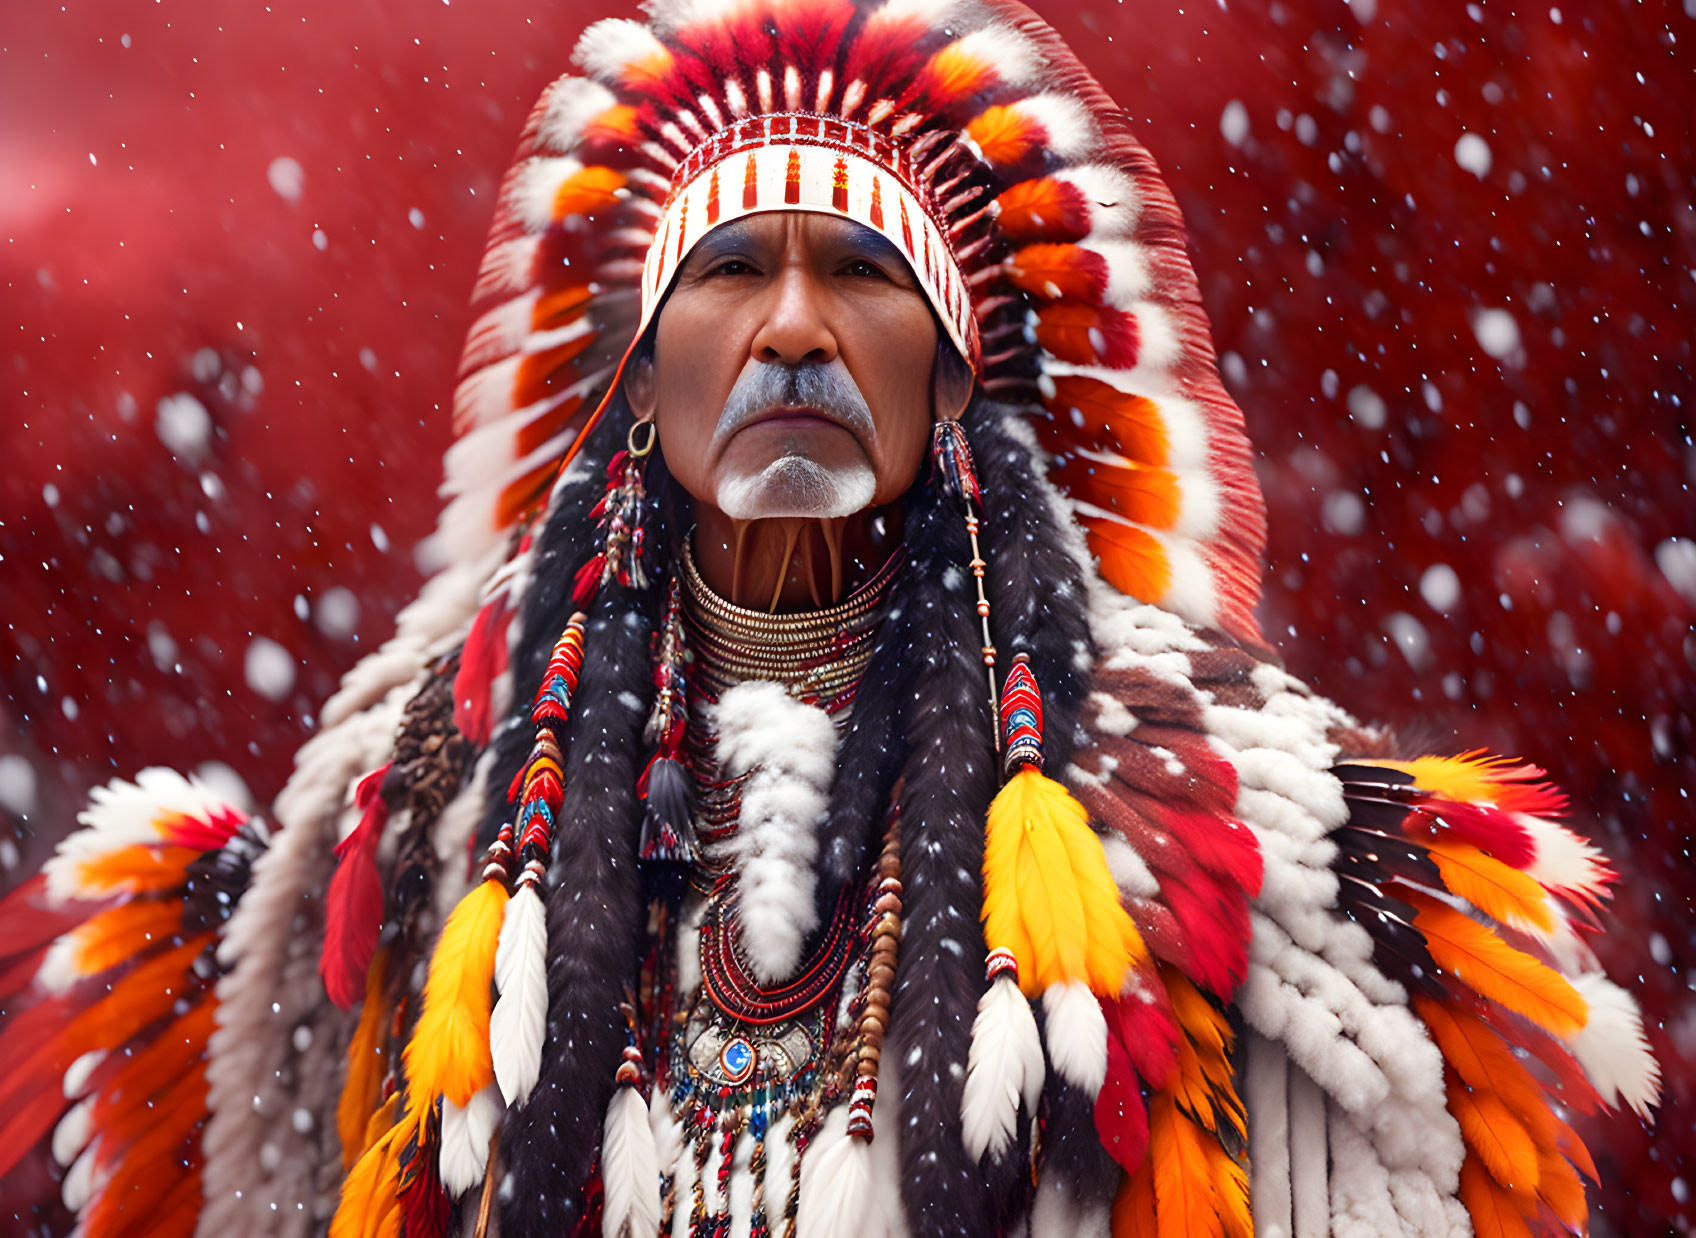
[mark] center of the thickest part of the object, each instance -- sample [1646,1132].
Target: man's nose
[795,330]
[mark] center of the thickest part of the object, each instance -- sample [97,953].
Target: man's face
[792,369]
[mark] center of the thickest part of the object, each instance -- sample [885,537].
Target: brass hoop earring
[647,444]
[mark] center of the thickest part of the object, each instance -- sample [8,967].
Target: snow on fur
[788,749]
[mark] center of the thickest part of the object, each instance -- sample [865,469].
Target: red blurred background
[1449,253]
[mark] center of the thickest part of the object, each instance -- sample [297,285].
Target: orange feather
[1230,1190]
[366,1065]
[1054,272]
[616,124]
[1494,1214]
[1203,1083]
[1482,960]
[1100,417]
[1183,1180]
[1474,776]
[1133,1205]
[1088,334]
[135,870]
[1043,209]
[121,932]
[1500,892]
[1004,134]
[179,1212]
[954,73]
[1500,1139]
[1135,491]
[543,373]
[586,191]
[1483,1062]
[1567,1140]
[1131,559]
[370,1202]
[172,1054]
[146,1168]
[1559,1187]
[448,1054]
[560,307]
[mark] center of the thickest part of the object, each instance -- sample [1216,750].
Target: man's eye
[732,266]
[864,269]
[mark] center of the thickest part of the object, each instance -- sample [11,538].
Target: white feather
[1130,872]
[630,1174]
[1563,860]
[837,1196]
[1067,124]
[518,1024]
[1077,1035]
[466,1136]
[1611,1046]
[532,189]
[122,814]
[788,749]
[612,43]
[1128,277]
[1003,1067]
[77,1076]
[58,970]
[506,268]
[70,1136]
[1112,196]
[571,103]
[668,1133]
[79,1185]
[1013,57]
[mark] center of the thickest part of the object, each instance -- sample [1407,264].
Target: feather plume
[448,1054]
[353,913]
[1121,1111]
[370,1203]
[1498,1138]
[1183,1179]
[630,1171]
[481,662]
[518,1023]
[1076,1035]
[1048,895]
[362,1084]
[105,940]
[1493,1210]
[836,1185]
[1612,1049]
[1005,1067]
[466,1138]
[1086,334]
[1502,893]
[788,751]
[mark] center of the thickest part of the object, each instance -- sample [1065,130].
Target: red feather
[1121,1113]
[1161,932]
[354,914]
[1215,921]
[1146,1032]
[480,662]
[1485,827]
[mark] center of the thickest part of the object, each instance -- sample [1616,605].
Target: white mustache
[827,389]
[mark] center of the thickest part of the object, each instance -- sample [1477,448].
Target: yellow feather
[1048,894]
[1495,970]
[1503,893]
[366,1065]
[370,1203]
[448,1054]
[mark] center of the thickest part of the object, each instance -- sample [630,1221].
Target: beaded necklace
[736,1058]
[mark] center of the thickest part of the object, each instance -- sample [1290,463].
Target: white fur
[1130,872]
[466,1135]
[630,1171]
[789,751]
[1612,1048]
[518,1025]
[608,46]
[1003,1067]
[1265,1092]
[1077,1035]
[568,107]
[1058,1213]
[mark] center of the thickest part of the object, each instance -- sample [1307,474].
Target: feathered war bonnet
[968,135]
[1053,256]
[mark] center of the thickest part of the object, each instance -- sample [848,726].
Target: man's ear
[951,382]
[639,391]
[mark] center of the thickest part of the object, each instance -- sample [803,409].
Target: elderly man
[889,817]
